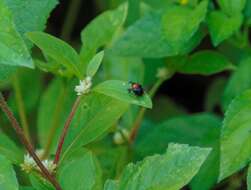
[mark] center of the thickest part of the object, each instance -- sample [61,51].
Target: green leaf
[40,183]
[6,72]
[13,49]
[96,114]
[238,82]
[56,100]
[232,7]
[88,174]
[119,90]
[94,64]
[205,62]
[198,130]
[221,26]
[173,170]
[146,38]
[177,28]
[123,68]
[30,15]
[249,177]
[7,175]
[235,136]
[10,150]
[101,31]
[58,50]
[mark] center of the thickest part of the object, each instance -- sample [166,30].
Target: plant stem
[56,119]
[142,111]
[26,143]
[21,108]
[65,130]
[71,16]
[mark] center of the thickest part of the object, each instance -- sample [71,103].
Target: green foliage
[7,174]
[13,50]
[222,26]
[119,90]
[93,38]
[57,100]
[171,170]
[10,150]
[199,130]
[204,63]
[94,64]
[89,174]
[236,136]
[238,82]
[95,116]
[57,50]
[108,139]
[149,30]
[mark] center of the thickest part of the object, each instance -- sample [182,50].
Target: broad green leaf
[123,68]
[13,49]
[205,63]
[40,183]
[119,90]
[8,179]
[170,171]
[30,15]
[58,50]
[54,108]
[146,38]
[249,177]
[88,176]
[235,136]
[232,7]
[222,26]
[177,28]
[198,130]
[10,150]
[96,114]
[94,64]
[101,31]
[6,72]
[238,82]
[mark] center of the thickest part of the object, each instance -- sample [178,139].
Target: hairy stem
[55,123]
[71,16]
[65,129]
[26,143]
[21,108]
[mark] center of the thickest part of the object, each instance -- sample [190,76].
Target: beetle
[136,88]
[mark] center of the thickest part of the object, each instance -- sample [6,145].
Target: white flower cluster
[29,163]
[84,86]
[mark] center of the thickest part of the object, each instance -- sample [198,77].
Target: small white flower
[29,164]
[84,86]
[51,167]
[120,136]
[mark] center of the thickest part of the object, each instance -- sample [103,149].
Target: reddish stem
[65,130]
[26,143]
